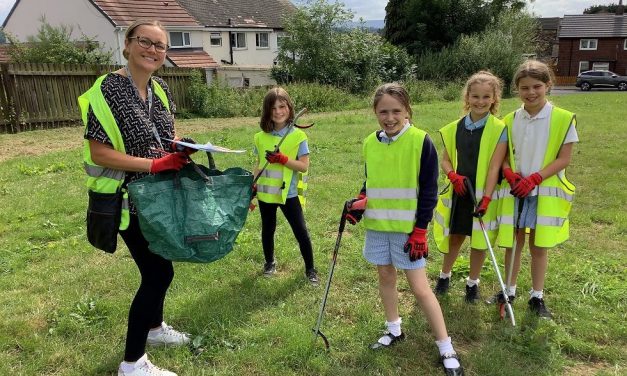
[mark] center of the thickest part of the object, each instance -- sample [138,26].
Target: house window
[601,66]
[583,66]
[215,39]
[261,40]
[625,45]
[180,39]
[588,44]
[238,40]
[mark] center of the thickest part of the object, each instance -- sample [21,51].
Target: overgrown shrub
[500,49]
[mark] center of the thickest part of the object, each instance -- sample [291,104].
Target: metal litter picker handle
[323,304]
[509,308]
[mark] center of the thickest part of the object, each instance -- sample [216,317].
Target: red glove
[483,206]
[512,177]
[526,185]
[177,147]
[356,208]
[458,183]
[276,157]
[416,244]
[174,161]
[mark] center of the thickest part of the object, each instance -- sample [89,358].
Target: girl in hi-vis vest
[537,195]
[474,148]
[399,195]
[283,182]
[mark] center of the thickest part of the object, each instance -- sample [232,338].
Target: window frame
[587,66]
[234,40]
[625,44]
[258,40]
[588,48]
[211,38]
[604,66]
[183,34]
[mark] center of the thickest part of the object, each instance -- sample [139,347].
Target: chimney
[620,10]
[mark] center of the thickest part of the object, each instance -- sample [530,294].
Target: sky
[375,9]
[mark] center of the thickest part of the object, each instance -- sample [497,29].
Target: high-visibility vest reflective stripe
[555,194]
[392,172]
[442,217]
[101,179]
[274,182]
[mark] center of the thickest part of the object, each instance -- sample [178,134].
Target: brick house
[592,42]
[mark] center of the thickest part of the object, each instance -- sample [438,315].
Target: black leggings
[293,212]
[147,308]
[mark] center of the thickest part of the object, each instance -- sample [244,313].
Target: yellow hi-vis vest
[101,179]
[441,226]
[555,194]
[392,172]
[274,182]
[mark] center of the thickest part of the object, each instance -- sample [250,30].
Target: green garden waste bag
[195,214]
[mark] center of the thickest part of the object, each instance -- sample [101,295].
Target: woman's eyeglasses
[146,43]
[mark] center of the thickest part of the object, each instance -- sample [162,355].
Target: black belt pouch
[103,220]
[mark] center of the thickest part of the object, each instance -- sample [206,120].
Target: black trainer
[442,286]
[500,298]
[269,268]
[459,371]
[472,294]
[312,276]
[536,305]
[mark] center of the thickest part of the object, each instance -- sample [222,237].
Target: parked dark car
[589,79]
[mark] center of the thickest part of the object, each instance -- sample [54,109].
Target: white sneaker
[167,336]
[143,367]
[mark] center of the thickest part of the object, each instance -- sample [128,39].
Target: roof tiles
[191,58]
[593,25]
[125,12]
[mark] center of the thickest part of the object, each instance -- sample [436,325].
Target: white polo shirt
[530,136]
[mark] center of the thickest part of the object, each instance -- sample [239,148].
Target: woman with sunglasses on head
[127,116]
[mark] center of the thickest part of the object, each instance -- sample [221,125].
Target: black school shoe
[459,371]
[500,298]
[269,268]
[393,340]
[536,305]
[472,294]
[442,286]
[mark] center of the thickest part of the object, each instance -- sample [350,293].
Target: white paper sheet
[206,147]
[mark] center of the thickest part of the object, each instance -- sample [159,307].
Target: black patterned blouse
[132,117]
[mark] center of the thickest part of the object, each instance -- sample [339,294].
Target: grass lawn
[64,304]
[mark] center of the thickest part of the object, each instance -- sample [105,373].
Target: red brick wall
[608,50]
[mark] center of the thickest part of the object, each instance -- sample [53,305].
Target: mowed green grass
[64,304]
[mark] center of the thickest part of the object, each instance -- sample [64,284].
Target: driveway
[564,90]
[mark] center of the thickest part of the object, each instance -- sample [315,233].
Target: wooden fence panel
[40,96]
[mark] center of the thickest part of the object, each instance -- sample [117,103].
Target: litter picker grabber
[323,304]
[507,303]
[276,148]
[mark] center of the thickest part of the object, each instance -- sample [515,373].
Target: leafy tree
[55,45]
[318,48]
[594,9]
[500,49]
[430,25]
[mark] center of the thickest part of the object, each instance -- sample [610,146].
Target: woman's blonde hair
[534,69]
[395,90]
[483,77]
[130,32]
[272,96]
